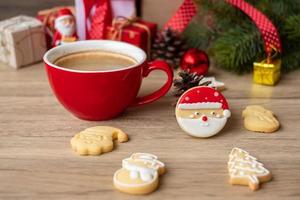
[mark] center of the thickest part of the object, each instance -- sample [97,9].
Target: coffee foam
[95,61]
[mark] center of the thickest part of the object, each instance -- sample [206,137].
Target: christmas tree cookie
[244,169]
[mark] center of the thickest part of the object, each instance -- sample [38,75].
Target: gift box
[136,32]
[92,16]
[22,41]
[47,17]
[267,73]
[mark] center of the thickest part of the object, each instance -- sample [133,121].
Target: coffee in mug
[95,61]
[101,94]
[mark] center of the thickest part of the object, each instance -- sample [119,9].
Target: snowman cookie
[202,111]
[139,174]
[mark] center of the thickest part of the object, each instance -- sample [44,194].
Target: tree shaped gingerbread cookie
[244,169]
[202,111]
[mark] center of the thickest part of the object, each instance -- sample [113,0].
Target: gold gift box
[267,73]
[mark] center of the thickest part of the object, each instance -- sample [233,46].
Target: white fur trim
[227,113]
[63,17]
[208,105]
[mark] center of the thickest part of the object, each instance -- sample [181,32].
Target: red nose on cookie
[204,118]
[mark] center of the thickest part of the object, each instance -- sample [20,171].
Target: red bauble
[195,60]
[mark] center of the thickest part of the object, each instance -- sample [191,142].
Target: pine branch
[237,49]
[199,36]
[291,60]
[291,28]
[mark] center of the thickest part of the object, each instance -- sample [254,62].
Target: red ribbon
[266,27]
[182,17]
[187,11]
[101,19]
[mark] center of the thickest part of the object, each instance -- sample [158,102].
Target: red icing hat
[64,13]
[203,98]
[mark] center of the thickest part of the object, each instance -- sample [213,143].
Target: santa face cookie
[139,174]
[202,111]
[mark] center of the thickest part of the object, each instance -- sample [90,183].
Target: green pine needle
[236,50]
[292,28]
[235,43]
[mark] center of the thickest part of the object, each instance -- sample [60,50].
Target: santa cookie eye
[213,113]
[197,113]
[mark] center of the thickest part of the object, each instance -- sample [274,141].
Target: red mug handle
[155,65]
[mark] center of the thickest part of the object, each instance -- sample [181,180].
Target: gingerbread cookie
[259,119]
[139,174]
[202,111]
[244,169]
[97,140]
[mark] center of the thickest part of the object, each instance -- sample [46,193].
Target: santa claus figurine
[65,28]
[202,111]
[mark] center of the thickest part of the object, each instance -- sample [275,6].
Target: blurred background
[147,8]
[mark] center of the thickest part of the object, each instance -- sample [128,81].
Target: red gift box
[136,32]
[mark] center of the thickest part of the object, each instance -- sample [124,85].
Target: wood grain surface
[36,161]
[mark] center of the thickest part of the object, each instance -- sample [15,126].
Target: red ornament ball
[195,60]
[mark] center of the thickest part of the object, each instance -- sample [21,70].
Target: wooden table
[36,161]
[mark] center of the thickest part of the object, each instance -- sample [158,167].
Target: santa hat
[63,13]
[203,98]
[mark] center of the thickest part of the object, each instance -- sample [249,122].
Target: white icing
[242,164]
[200,105]
[116,181]
[146,173]
[134,174]
[205,124]
[214,83]
[253,179]
[227,113]
[144,156]
[197,128]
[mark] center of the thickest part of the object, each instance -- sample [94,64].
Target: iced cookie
[244,169]
[202,111]
[259,119]
[97,140]
[139,174]
[218,85]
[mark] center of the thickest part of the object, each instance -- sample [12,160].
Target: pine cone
[168,46]
[186,81]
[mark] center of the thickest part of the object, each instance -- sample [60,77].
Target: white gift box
[22,41]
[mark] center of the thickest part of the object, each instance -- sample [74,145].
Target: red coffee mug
[102,95]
